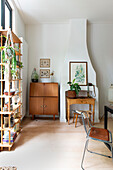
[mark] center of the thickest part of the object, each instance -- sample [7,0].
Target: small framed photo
[44,73]
[45,62]
[78,71]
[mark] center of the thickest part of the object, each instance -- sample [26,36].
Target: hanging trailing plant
[9,56]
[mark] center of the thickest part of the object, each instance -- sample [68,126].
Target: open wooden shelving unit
[16,83]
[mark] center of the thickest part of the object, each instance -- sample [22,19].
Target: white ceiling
[35,11]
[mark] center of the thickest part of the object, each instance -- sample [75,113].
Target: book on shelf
[6,136]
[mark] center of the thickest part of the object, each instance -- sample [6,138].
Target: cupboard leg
[1,148]
[9,148]
[53,117]
[32,117]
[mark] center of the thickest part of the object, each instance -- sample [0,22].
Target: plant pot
[34,80]
[71,94]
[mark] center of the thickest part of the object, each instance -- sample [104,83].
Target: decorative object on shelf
[78,70]
[110,94]
[12,92]
[45,62]
[8,168]
[34,76]
[44,73]
[52,76]
[74,89]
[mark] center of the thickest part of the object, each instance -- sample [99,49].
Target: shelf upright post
[9,117]
[19,84]
[1,95]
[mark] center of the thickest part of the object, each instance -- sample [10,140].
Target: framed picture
[78,70]
[45,62]
[44,73]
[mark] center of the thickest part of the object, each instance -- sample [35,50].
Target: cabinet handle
[41,105]
[45,105]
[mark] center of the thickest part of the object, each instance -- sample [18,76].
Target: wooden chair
[77,113]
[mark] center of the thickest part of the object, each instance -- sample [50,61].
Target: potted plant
[74,89]
[9,57]
[34,76]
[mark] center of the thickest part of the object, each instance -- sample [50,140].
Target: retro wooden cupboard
[43,99]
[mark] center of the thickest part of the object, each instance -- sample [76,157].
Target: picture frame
[45,62]
[44,73]
[78,71]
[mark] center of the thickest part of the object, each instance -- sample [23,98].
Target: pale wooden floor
[51,145]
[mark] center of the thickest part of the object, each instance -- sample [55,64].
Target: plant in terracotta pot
[74,89]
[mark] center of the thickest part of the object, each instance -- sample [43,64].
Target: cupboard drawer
[51,89]
[36,89]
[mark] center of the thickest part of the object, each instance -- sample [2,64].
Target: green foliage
[9,54]
[74,86]
[21,65]
[13,62]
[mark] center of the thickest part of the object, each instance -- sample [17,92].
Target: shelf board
[7,128]
[11,112]
[4,96]
[10,80]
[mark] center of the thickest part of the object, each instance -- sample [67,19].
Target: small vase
[34,76]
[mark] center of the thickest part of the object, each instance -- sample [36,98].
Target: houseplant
[34,76]
[74,89]
[9,57]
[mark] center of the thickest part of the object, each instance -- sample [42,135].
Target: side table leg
[90,107]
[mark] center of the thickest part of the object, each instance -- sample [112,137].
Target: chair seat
[99,133]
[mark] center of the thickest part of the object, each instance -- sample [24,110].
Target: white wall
[53,41]
[47,41]
[18,23]
[100,43]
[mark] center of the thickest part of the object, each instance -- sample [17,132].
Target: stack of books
[6,137]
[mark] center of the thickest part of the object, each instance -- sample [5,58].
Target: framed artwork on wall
[78,70]
[44,62]
[44,73]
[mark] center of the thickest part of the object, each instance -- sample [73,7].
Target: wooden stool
[75,114]
[78,112]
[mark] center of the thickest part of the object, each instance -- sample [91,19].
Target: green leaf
[69,82]
[73,81]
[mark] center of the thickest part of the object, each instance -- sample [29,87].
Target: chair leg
[76,120]
[86,144]
[112,151]
[101,154]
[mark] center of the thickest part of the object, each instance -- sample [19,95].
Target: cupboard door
[36,105]
[50,105]
[51,89]
[36,89]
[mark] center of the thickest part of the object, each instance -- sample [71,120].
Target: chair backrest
[86,120]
